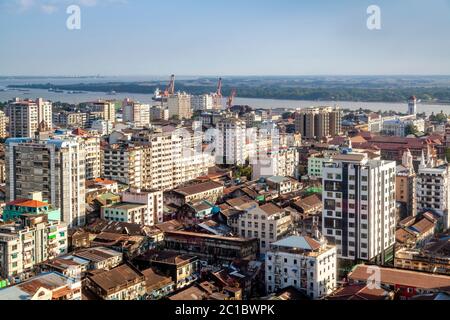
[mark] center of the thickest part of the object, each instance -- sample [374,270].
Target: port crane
[170,90]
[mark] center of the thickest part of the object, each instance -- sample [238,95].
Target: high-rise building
[412,106]
[136,113]
[105,109]
[3,120]
[123,163]
[171,158]
[179,106]
[433,191]
[56,167]
[231,142]
[359,214]
[202,102]
[32,241]
[159,113]
[319,123]
[25,116]
[303,263]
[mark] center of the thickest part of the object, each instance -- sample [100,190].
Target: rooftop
[199,188]
[412,279]
[297,242]
[116,278]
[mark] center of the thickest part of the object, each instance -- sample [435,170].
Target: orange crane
[171,87]
[231,98]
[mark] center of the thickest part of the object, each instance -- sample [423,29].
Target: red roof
[28,203]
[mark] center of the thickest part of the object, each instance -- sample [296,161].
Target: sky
[224,37]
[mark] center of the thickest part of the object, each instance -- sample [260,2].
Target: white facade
[123,163]
[303,263]
[23,247]
[359,214]
[179,106]
[433,191]
[202,102]
[26,115]
[231,142]
[103,127]
[153,201]
[283,162]
[267,223]
[136,113]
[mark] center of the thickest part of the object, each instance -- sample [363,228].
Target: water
[147,98]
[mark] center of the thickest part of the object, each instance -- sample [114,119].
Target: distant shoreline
[357,95]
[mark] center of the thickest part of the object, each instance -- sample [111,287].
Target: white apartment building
[202,102]
[103,127]
[433,191]
[231,142]
[3,120]
[152,199]
[136,113]
[127,212]
[106,109]
[25,116]
[34,240]
[282,162]
[268,223]
[304,263]
[56,167]
[123,163]
[359,214]
[172,158]
[179,105]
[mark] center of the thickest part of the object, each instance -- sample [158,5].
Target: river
[147,98]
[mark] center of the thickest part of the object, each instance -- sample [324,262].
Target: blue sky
[224,37]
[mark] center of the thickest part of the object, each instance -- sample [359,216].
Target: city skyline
[126,37]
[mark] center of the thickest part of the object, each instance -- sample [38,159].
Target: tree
[411,129]
[244,171]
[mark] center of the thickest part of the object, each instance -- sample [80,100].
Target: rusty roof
[405,278]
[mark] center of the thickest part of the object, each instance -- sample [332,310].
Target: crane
[171,87]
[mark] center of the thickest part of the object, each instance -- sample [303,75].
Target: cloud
[49,8]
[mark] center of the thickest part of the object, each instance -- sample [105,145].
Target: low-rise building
[211,249]
[407,283]
[433,258]
[303,263]
[268,223]
[121,283]
[184,269]
[29,242]
[32,205]
[158,286]
[210,191]
[127,212]
[48,286]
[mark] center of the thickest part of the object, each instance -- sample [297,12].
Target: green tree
[411,129]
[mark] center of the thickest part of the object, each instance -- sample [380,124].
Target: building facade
[359,214]
[34,240]
[55,167]
[303,263]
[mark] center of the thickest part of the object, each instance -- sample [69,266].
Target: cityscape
[222,188]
